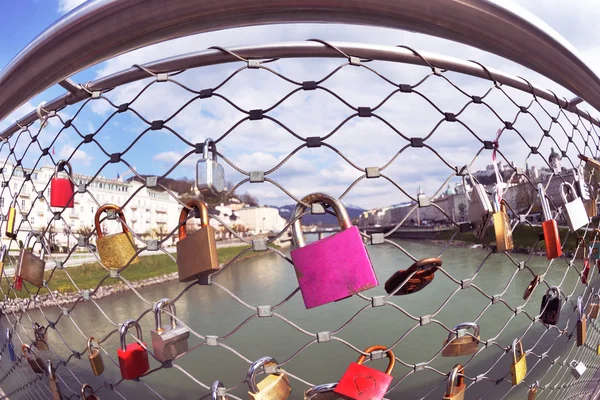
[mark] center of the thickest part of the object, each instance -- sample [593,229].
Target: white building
[145,213]
[260,219]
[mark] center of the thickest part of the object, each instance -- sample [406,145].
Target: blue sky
[260,145]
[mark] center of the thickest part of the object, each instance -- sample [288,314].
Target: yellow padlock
[518,369]
[118,249]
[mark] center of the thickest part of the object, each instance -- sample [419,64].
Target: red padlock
[364,383]
[62,190]
[133,358]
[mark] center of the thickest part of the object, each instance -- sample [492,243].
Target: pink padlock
[333,268]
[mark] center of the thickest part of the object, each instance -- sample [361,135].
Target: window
[15,186]
[81,208]
[23,204]
[92,208]
[1,201]
[32,220]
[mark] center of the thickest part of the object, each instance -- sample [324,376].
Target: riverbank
[151,270]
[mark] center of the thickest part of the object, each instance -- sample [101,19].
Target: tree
[160,231]
[526,196]
[249,199]
[462,211]
[84,231]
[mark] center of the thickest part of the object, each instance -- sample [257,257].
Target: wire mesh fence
[456,131]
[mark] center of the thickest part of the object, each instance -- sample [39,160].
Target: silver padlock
[210,176]
[574,210]
[577,368]
[480,210]
[168,341]
[31,267]
[322,392]
[217,391]
[582,188]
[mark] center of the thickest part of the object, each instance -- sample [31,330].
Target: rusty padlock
[36,363]
[31,267]
[54,388]
[531,287]
[594,307]
[423,275]
[41,336]
[87,393]
[276,386]
[118,249]
[459,342]
[95,357]
[581,323]
[456,387]
[197,252]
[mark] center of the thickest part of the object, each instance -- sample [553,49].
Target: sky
[262,145]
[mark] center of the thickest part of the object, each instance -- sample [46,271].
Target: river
[269,279]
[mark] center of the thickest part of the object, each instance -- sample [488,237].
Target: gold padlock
[594,307]
[459,342]
[54,388]
[95,357]
[276,386]
[502,227]
[533,389]
[37,364]
[322,392]
[118,249]
[518,368]
[87,393]
[196,252]
[598,349]
[41,336]
[12,216]
[581,323]
[456,387]
[31,267]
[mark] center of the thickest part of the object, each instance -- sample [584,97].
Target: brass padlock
[598,349]
[502,227]
[31,267]
[322,392]
[531,287]
[10,223]
[37,364]
[218,391]
[533,389]
[118,249]
[168,341]
[54,388]
[594,307]
[581,323]
[95,357]
[456,387]
[276,386]
[87,393]
[41,336]
[518,368]
[196,252]
[459,342]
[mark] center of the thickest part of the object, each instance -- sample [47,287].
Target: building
[151,212]
[260,219]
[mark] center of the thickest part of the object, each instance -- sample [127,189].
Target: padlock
[37,364]
[322,392]
[577,368]
[585,272]
[583,190]
[210,176]
[594,307]
[87,393]
[31,267]
[413,279]
[549,227]
[11,346]
[502,227]
[133,358]
[333,268]
[11,219]
[598,349]
[459,343]
[276,386]
[595,253]
[360,382]
[95,357]
[574,210]
[54,388]
[217,391]
[531,287]
[533,390]
[62,190]
[171,340]
[41,336]
[197,252]
[456,386]
[118,249]
[518,368]
[550,308]
[581,323]
[480,210]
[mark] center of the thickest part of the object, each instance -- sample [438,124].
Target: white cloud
[64,6]
[80,156]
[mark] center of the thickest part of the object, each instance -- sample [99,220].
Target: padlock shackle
[191,205]
[50,371]
[579,308]
[104,208]
[85,388]
[39,239]
[456,375]
[563,194]
[256,365]
[426,265]
[319,389]
[573,364]
[544,202]
[62,165]
[2,252]
[515,343]
[465,325]
[26,349]
[336,204]
[89,344]
[158,310]
[8,334]
[123,332]
[388,353]
[209,143]
[554,290]
[214,390]
[39,331]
